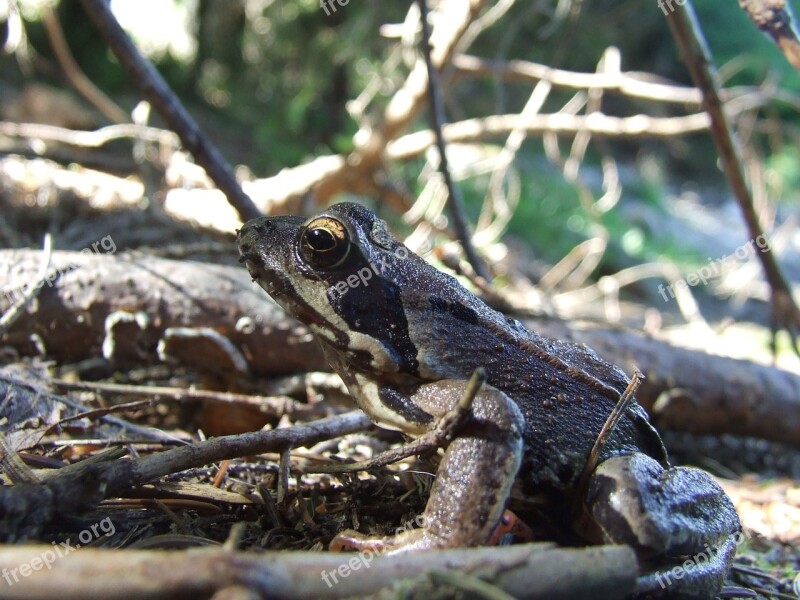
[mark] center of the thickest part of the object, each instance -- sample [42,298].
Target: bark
[123,306]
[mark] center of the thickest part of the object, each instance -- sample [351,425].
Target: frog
[405,338]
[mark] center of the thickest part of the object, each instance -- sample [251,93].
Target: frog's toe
[406,541]
[353,541]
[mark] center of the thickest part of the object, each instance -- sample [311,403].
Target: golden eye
[324,243]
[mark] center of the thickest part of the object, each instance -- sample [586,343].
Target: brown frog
[405,339]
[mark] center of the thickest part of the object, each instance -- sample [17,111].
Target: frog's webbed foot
[679,520]
[474,477]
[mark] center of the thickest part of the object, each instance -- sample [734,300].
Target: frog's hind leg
[474,477]
[679,520]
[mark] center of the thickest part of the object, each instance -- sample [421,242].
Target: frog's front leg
[474,477]
[679,520]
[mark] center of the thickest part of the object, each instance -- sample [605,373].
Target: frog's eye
[324,243]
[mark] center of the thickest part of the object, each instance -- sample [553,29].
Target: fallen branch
[598,124]
[123,306]
[523,571]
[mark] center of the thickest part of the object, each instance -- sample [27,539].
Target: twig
[156,90]
[87,139]
[125,474]
[28,507]
[270,406]
[73,72]
[773,18]
[485,128]
[689,37]
[608,427]
[147,433]
[438,119]
[99,412]
[627,84]
[444,432]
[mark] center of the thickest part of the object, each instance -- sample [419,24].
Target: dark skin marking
[400,404]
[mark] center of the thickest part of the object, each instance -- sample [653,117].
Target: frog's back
[565,391]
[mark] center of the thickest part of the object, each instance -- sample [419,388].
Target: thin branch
[156,90]
[438,119]
[73,72]
[628,84]
[471,130]
[608,427]
[87,139]
[123,475]
[689,38]
[270,406]
[775,19]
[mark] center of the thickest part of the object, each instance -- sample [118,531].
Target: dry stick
[444,432]
[270,406]
[156,90]
[125,474]
[771,17]
[88,139]
[146,433]
[620,408]
[73,72]
[608,427]
[523,571]
[100,412]
[437,119]
[692,45]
